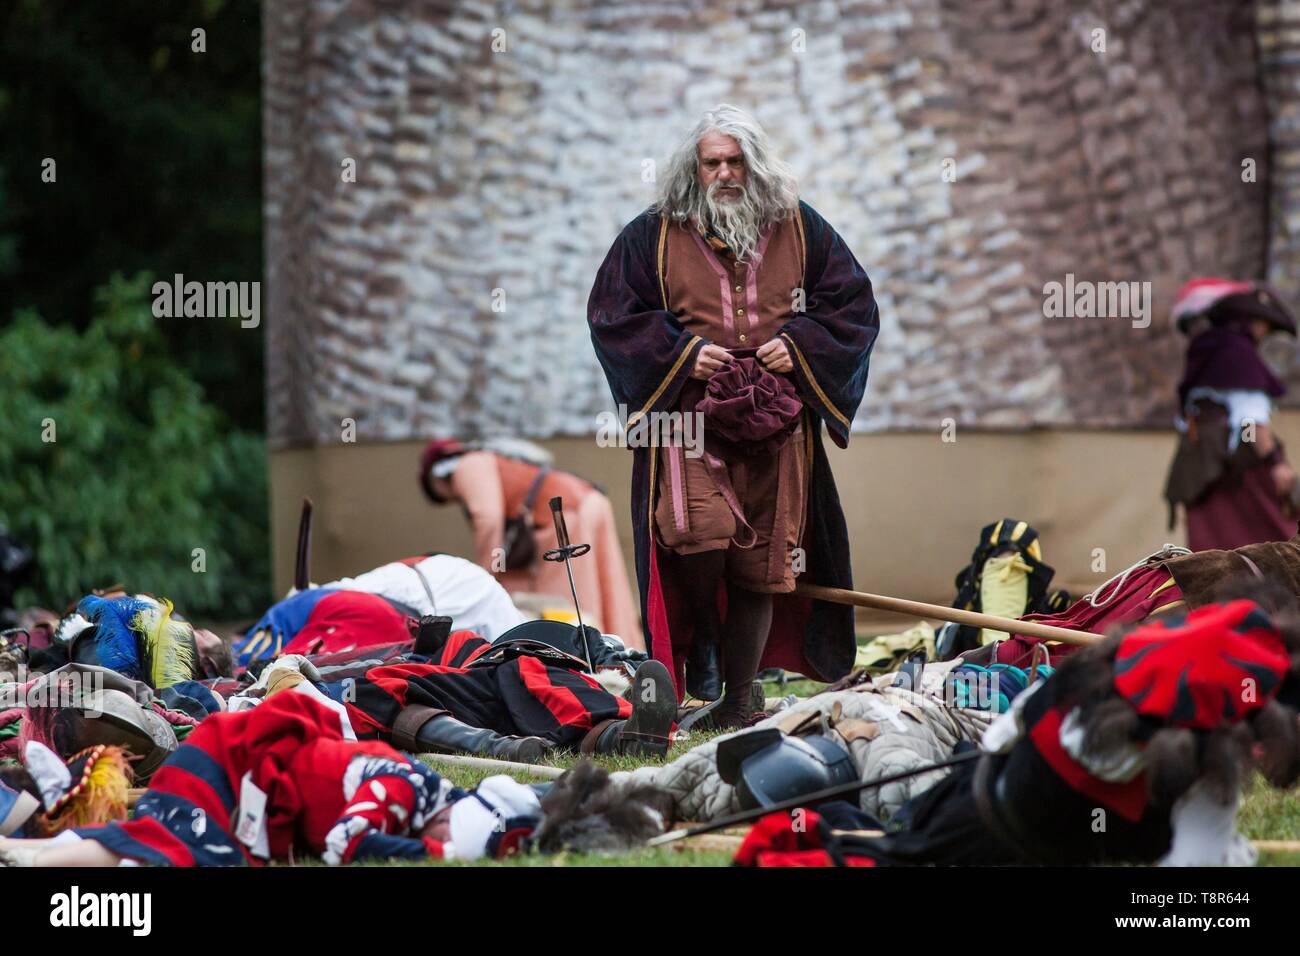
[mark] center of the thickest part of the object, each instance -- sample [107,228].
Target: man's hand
[708,360]
[775,356]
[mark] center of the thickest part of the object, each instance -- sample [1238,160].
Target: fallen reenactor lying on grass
[372,607]
[860,733]
[512,700]
[280,781]
[139,636]
[1134,751]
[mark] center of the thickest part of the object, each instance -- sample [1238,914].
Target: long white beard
[736,222]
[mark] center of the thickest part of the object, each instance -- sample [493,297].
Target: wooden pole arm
[880,602]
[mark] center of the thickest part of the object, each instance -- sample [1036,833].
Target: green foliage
[141,471]
[8,243]
[158,152]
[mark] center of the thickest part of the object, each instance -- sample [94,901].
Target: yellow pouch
[1004,591]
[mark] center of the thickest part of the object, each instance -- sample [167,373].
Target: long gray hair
[770,195]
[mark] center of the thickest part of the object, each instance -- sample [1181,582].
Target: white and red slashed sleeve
[388,801]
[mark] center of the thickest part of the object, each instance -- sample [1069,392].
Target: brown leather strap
[776,555]
[796,722]
[406,727]
[745,536]
[1038,659]
[589,742]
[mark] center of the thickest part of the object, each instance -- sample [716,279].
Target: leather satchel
[518,541]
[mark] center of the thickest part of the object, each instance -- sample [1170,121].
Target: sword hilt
[561,528]
[565,550]
[563,553]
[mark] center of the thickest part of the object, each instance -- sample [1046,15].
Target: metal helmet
[767,766]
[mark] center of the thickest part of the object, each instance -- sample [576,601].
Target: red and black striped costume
[513,689]
[343,800]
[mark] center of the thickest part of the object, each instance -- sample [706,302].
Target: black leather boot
[447,734]
[645,733]
[704,669]
[737,710]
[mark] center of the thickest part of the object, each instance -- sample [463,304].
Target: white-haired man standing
[732,299]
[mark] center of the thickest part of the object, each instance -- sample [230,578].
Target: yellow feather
[102,800]
[168,645]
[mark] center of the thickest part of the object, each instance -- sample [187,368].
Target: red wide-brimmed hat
[1220,300]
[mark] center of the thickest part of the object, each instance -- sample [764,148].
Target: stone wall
[1279,57]
[514,169]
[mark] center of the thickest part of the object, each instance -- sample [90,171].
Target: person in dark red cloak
[1230,472]
[731,294]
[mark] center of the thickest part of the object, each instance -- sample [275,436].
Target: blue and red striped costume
[344,800]
[511,691]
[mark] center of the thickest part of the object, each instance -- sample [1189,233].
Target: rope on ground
[1166,552]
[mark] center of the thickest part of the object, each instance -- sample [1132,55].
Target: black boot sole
[646,731]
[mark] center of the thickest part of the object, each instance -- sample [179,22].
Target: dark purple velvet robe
[1225,357]
[648,355]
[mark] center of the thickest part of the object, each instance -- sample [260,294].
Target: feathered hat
[92,787]
[1219,300]
[138,637]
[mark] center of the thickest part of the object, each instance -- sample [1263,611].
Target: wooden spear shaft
[880,602]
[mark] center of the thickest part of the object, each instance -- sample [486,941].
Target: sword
[808,799]
[302,562]
[566,552]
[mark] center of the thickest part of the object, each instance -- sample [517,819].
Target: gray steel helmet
[767,766]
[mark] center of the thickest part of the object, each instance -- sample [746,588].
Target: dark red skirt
[1234,515]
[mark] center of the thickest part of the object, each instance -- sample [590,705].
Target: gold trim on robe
[812,380]
[632,419]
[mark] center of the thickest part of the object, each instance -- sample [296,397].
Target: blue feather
[114,639]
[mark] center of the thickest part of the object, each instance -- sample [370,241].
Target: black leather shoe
[704,670]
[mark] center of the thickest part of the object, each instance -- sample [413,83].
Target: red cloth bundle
[749,410]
